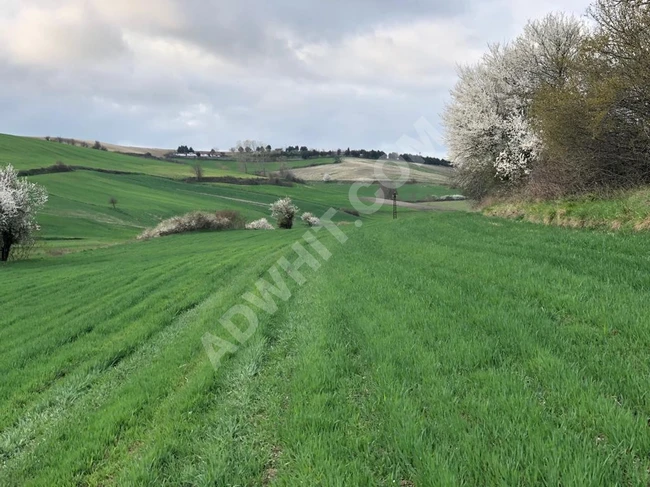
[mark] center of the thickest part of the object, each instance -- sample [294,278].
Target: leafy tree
[19,202]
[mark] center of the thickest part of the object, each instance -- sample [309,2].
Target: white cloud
[58,36]
[210,72]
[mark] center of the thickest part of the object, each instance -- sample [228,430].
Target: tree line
[563,109]
[257,150]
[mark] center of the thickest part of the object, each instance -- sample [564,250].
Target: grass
[78,214]
[423,192]
[26,153]
[625,210]
[438,349]
[253,167]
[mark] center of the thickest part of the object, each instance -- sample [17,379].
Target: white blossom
[487,123]
[310,219]
[261,224]
[284,211]
[19,201]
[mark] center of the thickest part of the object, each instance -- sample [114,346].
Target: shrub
[261,224]
[285,175]
[350,211]
[237,221]
[310,219]
[284,211]
[191,222]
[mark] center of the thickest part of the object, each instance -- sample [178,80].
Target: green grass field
[443,348]
[25,153]
[475,351]
[233,166]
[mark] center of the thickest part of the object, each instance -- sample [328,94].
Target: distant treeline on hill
[267,152]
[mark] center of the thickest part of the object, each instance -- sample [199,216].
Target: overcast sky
[160,73]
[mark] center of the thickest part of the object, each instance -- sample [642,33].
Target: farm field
[352,169]
[474,351]
[29,153]
[253,167]
[79,216]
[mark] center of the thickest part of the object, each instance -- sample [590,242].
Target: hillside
[627,210]
[364,170]
[442,347]
[125,149]
[28,153]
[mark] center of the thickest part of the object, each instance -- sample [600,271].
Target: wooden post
[395,205]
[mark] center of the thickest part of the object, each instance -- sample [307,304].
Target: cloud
[209,72]
[63,35]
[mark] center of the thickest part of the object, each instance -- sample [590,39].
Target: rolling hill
[439,348]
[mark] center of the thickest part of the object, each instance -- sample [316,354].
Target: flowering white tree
[310,219]
[19,202]
[490,136]
[284,211]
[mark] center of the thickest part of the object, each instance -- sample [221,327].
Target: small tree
[284,211]
[198,171]
[113,201]
[97,145]
[19,202]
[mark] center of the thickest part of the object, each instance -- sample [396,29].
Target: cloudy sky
[160,73]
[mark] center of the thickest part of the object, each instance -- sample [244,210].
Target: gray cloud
[164,72]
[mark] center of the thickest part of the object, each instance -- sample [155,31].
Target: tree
[197,169]
[20,200]
[492,139]
[596,126]
[113,201]
[269,148]
[284,211]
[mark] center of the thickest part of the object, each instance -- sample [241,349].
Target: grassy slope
[475,352]
[78,214]
[28,153]
[234,166]
[422,192]
[627,210]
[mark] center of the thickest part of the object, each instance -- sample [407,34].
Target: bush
[191,222]
[285,175]
[237,221]
[310,219]
[284,211]
[350,211]
[261,224]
